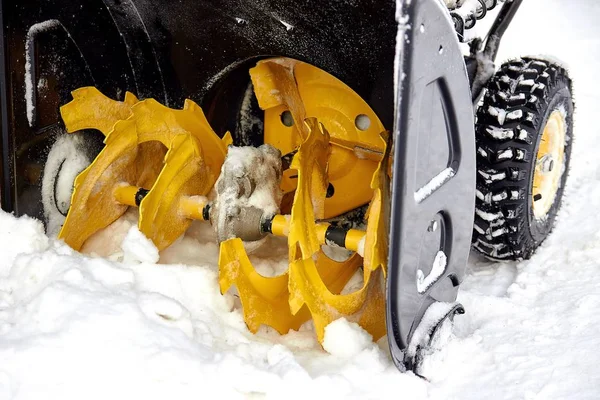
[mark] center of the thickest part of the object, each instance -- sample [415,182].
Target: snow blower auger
[345,133]
[132,160]
[170,194]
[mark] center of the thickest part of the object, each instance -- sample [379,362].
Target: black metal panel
[199,42]
[7,189]
[50,48]
[433,180]
[172,50]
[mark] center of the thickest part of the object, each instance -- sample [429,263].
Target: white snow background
[82,327]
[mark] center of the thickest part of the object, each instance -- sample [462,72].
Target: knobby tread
[510,120]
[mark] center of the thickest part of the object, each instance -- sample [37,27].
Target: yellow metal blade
[376,240]
[311,163]
[307,287]
[136,155]
[149,163]
[90,109]
[184,174]
[158,123]
[264,300]
[275,85]
[191,166]
[92,203]
[307,278]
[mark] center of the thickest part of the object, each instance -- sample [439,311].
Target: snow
[65,161]
[31,33]
[74,326]
[77,326]
[437,270]
[435,313]
[434,184]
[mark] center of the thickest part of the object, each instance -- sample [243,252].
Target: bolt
[433,225]
[547,163]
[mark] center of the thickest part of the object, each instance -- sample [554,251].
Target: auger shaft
[192,207]
[351,239]
[198,208]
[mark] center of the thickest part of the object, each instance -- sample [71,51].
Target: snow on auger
[306,120]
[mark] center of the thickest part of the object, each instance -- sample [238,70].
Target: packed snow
[118,322]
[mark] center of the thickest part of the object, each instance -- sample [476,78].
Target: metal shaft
[198,208]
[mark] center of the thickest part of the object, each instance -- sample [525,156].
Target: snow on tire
[66,159]
[511,121]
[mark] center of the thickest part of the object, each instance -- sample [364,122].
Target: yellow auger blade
[90,109]
[192,165]
[366,306]
[307,287]
[92,204]
[376,239]
[275,85]
[184,174]
[311,163]
[158,123]
[264,299]
[135,151]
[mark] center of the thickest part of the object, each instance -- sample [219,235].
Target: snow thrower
[381,129]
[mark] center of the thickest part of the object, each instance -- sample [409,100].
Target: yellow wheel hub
[549,164]
[165,161]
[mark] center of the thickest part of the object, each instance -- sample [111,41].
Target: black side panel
[172,50]
[49,49]
[200,42]
[433,183]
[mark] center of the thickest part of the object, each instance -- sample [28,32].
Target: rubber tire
[525,92]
